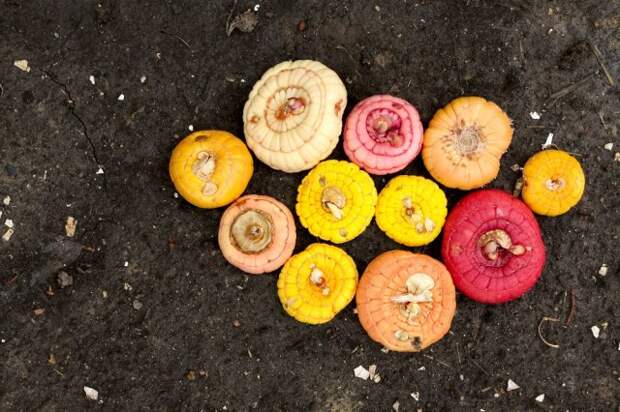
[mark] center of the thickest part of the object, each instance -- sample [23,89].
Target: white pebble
[535,115]
[190,127]
[596,331]
[415,395]
[257,7]
[422,368]
[176,195]
[143,79]
[361,372]
[540,397]
[121,97]
[548,142]
[7,200]
[512,385]
[609,146]
[99,171]
[603,270]
[9,223]
[91,393]
[126,264]
[92,79]
[396,406]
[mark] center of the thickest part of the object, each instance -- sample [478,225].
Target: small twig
[567,90]
[480,367]
[601,62]
[59,372]
[1,90]
[600,116]
[458,354]
[571,312]
[545,341]
[438,361]
[177,37]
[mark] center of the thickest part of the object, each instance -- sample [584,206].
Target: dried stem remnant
[496,240]
[334,201]
[204,168]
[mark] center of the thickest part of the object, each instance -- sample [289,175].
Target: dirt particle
[191,375]
[64,279]
[236,323]
[383,59]
[39,311]
[51,359]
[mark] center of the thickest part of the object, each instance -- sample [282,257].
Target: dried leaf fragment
[7,235]
[22,65]
[244,22]
[70,226]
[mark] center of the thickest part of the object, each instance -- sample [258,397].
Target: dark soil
[138,246]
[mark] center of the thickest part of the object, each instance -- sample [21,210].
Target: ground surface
[134,330]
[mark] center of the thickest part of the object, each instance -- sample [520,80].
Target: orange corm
[464,142]
[406,301]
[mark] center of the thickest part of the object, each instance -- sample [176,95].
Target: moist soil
[156,320]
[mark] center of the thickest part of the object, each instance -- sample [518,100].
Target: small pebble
[617,157]
[361,372]
[143,79]
[540,397]
[6,201]
[236,323]
[512,385]
[121,97]
[99,171]
[91,394]
[603,270]
[415,395]
[596,331]
[92,79]
[609,146]
[190,127]
[535,115]
[256,7]
[9,223]
[137,305]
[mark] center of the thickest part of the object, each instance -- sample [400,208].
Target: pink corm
[383,134]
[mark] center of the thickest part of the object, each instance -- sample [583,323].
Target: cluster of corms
[492,247]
